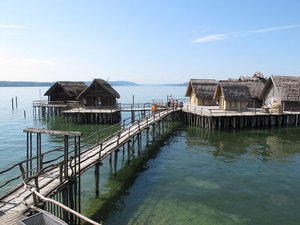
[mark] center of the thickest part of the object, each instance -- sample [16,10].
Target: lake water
[192,176]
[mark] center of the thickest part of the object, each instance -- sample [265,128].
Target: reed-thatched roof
[203,88]
[288,87]
[254,84]
[106,86]
[71,88]
[255,88]
[232,91]
[257,77]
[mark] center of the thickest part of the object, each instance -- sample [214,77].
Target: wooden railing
[28,167]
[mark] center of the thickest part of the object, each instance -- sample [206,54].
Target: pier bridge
[46,183]
[59,179]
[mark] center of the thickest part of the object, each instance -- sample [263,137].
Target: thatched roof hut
[247,89]
[65,91]
[232,91]
[201,91]
[98,94]
[232,95]
[283,89]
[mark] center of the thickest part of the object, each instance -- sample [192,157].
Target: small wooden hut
[232,95]
[63,91]
[283,90]
[99,94]
[201,91]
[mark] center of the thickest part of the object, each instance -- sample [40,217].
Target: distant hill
[48,84]
[24,84]
[122,83]
[179,84]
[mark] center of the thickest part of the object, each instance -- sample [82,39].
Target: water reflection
[264,145]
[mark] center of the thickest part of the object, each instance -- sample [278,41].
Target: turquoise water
[209,178]
[13,121]
[192,176]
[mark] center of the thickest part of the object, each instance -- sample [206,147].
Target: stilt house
[284,90]
[64,91]
[201,91]
[232,95]
[99,94]
[241,93]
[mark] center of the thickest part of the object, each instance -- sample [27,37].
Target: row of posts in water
[16,104]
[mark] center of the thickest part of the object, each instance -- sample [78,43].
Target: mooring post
[65,195]
[30,153]
[12,103]
[97,177]
[147,136]
[153,132]
[123,152]
[139,142]
[116,162]
[128,151]
[159,127]
[66,154]
[39,162]
[27,154]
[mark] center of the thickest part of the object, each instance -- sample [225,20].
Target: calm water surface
[191,177]
[209,178]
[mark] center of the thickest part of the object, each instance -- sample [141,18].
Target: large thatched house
[99,94]
[201,91]
[241,93]
[63,91]
[232,95]
[283,90]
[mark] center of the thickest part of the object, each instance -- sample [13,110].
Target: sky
[147,41]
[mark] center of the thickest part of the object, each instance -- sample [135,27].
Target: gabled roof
[203,88]
[255,88]
[232,91]
[71,88]
[288,87]
[106,86]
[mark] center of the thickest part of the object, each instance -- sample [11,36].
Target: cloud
[9,26]
[219,37]
[9,29]
[266,30]
[210,38]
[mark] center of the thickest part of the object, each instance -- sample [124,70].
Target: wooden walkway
[12,208]
[211,117]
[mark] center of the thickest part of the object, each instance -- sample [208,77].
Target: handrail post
[22,171]
[61,166]
[100,150]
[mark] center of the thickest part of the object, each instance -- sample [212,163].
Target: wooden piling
[97,178]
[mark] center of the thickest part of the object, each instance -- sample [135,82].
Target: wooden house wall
[97,96]
[255,103]
[291,106]
[197,101]
[60,95]
[272,95]
[193,98]
[232,105]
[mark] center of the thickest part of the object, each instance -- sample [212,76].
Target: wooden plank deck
[12,208]
[90,110]
[214,111]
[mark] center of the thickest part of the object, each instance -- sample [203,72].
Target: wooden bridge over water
[61,180]
[75,111]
